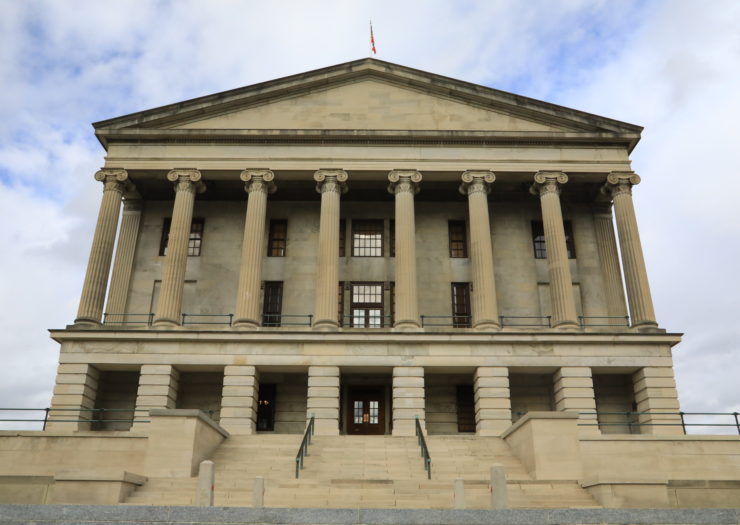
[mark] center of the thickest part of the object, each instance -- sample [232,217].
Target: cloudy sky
[671,66]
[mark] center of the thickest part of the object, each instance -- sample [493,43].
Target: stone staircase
[364,472]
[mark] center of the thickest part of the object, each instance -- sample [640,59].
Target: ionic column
[169,307]
[258,183]
[330,183]
[158,386]
[239,399]
[657,400]
[98,265]
[492,400]
[405,184]
[573,390]
[323,399]
[74,395]
[609,257]
[561,283]
[619,185]
[476,185]
[408,398]
[124,260]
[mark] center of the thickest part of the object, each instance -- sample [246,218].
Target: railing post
[47,409]
[737,423]
[683,423]
[231,319]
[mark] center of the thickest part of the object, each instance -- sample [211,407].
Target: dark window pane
[195,240]
[367,238]
[538,240]
[366,305]
[392,237]
[460,305]
[272,304]
[278,238]
[342,237]
[458,239]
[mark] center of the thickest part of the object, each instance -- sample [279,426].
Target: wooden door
[366,410]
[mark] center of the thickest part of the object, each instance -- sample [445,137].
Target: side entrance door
[366,410]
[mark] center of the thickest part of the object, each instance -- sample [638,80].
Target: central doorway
[366,410]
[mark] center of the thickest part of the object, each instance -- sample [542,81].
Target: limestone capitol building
[370,247]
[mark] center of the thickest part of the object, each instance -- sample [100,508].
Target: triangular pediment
[366,95]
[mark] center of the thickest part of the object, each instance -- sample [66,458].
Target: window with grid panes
[458,239]
[278,238]
[367,238]
[538,240]
[366,306]
[272,303]
[460,305]
[195,239]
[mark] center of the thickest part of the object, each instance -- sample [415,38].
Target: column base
[83,322]
[566,325]
[165,323]
[245,324]
[326,325]
[648,327]
[408,325]
[326,427]
[487,325]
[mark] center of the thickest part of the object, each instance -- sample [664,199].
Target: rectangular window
[392,301]
[367,238]
[538,240]
[342,237]
[266,407]
[458,239]
[278,238]
[195,240]
[461,305]
[392,237]
[367,305]
[340,302]
[272,303]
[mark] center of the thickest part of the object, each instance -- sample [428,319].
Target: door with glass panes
[366,410]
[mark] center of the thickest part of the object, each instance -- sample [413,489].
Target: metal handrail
[48,410]
[277,320]
[364,324]
[303,450]
[229,322]
[466,323]
[683,424]
[548,318]
[582,320]
[424,449]
[126,318]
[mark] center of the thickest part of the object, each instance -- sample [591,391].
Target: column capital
[331,180]
[548,182]
[132,204]
[404,181]
[618,182]
[186,179]
[114,179]
[260,180]
[476,181]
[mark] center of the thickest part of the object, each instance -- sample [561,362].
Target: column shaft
[485,309]
[492,400]
[239,399]
[124,261]
[657,401]
[74,395]
[574,391]
[405,184]
[323,399]
[101,253]
[330,183]
[633,261]
[258,185]
[609,257]
[561,283]
[169,306]
[408,399]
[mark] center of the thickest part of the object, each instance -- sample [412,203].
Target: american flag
[372,39]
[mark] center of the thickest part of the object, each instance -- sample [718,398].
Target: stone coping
[529,416]
[187,412]
[108,434]
[101,475]
[653,437]
[98,514]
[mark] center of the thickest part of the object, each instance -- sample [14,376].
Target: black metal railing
[529,321]
[454,321]
[363,321]
[303,450]
[66,415]
[222,319]
[277,320]
[424,449]
[127,319]
[604,320]
[633,419]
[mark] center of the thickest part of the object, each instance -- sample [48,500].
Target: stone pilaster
[657,401]
[98,265]
[124,260]
[258,183]
[408,399]
[404,184]
[476,185]
[547,186]
[574,392]
[74,395]
[239,399]
[157,389]
[330,184]
[619,186]
[609,257]
[169,307]
[492,400]
[323,399]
